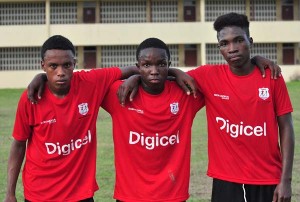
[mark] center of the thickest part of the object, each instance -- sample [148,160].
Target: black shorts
[84,200]
[224,191]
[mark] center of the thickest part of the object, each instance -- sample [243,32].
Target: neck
[242,70]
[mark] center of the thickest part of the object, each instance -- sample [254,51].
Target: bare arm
[283,191]
[16,157]
[128,71]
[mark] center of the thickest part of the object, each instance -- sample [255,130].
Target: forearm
[287,142]
[287,159]
[15,161]
[129,71]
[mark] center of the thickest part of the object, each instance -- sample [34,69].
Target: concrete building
[106,32]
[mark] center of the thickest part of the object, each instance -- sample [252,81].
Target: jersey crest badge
[83,108]
[174,107]
[263,93]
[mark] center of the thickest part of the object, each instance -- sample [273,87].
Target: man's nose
[154,69]
[60,70]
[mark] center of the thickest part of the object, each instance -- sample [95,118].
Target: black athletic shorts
[224,191]
[84,200]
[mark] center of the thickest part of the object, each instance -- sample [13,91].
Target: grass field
[200,185]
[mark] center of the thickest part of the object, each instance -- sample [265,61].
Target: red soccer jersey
[242,127]
[61,152]
[152,142]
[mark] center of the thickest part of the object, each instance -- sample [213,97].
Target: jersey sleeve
[22,127]
[101,76]
[110,101]
[199,75]
[282,100]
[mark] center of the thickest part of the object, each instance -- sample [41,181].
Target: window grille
[215,8]
[123,11]
[126,55]
[268,50]
[213,55]
[164,11]
[118,56]
[63,13]
[263,10]
[174,55]
[20,58]
[22,13]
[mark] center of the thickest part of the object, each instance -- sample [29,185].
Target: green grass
[200,187]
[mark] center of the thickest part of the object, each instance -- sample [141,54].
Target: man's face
[234,45]
[153,64]
[59,66]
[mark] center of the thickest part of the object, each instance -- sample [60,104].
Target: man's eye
[68,65]
[53,66]
[146,65]
[222,45]
[162,64]
[240,40]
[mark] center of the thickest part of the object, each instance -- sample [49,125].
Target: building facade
[106,32]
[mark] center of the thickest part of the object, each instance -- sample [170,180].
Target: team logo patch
[174,107]
[83,108]
[263,93]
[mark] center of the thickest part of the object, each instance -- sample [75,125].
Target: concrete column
[202,10]
[98,57]
[80,57]
[180,11]
[148,11]
[47,10]
[97,12]
[79,12]
[279,54]
[199,55]
[181,55]
[203,54]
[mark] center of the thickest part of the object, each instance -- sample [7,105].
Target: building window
[263,10]
[123,11]
[20,58]
[22,13]
[215,8]
[63,13]
[164,11]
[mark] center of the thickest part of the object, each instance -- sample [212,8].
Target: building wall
[120,25]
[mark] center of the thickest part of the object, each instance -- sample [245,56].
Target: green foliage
[200,187]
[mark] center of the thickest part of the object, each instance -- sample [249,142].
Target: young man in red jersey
[58,135]
[248,159]
[152,134]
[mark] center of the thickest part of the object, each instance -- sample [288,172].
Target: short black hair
[57,42]
[232,19]
[152,43]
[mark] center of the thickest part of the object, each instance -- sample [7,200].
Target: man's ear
[169,64]
[251,41]
[43,65]
[137,65]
